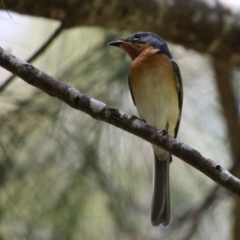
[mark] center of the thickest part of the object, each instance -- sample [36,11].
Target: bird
[156,88]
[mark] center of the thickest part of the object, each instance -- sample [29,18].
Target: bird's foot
[164,132]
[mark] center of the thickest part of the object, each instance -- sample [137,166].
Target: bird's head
[138,42]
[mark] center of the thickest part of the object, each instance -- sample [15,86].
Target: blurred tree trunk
[223,79]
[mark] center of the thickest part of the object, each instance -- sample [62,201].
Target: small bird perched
[156,87]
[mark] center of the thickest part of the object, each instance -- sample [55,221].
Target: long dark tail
[161,210]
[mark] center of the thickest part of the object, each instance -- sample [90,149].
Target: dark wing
[180,92]
[130,88]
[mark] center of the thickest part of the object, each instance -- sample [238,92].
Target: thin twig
[45,45]
[6,8]
[194,217]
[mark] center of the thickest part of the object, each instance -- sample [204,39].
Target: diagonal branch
[192,218]
[100,111]
[189,221]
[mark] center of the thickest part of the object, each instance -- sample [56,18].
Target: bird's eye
[137,36]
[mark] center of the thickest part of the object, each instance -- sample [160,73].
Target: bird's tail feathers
[161,210]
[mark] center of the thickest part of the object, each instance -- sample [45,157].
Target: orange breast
[151,68]
[153,83]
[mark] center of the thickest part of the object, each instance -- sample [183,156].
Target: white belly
[157,103]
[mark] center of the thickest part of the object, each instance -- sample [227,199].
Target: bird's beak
[117,43]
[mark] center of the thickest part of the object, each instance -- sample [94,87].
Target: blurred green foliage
[64,175]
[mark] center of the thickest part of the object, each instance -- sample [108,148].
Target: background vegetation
[64,175]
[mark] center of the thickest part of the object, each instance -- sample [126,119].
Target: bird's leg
[133,117]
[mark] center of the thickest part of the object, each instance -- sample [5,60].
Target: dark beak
[117,43]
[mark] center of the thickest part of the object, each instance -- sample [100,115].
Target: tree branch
[187,20]
[100,111]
